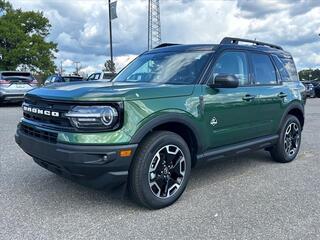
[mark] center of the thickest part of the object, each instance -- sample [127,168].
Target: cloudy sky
[80,27]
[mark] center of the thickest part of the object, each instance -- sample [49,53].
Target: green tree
[23,40]
[309,74]
[5,7]
[109,66]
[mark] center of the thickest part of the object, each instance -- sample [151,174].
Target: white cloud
[87,70]
[81,27]
[67,63]
[122,61]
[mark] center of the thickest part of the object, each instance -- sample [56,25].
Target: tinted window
[234,63]
[286,68]
[97,76]
[165,67]
[94,76]
[22,74]
[91,77]
[72,79]
[57,79]
[263,69]
[108,75]
[48,79]
[13,75]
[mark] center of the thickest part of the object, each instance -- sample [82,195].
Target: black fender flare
[291,106]
[168,118]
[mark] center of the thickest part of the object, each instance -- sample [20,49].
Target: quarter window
[233,63]
[286,68]
[263,69]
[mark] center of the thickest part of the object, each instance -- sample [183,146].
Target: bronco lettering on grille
[41,111]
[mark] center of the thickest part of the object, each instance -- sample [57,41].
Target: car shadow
[70,192]
[220,169]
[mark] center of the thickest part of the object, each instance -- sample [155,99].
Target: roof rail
[231,40]
[166,45]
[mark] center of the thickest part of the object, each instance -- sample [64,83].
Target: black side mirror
[225,81]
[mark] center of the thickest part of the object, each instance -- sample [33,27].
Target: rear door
[269,91]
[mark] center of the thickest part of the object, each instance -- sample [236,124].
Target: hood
[115,91]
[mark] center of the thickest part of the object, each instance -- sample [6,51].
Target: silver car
[14,85]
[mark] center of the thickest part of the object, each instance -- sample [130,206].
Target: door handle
[282,95]
[249,97]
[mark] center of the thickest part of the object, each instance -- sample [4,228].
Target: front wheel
[160,170]
[289,141]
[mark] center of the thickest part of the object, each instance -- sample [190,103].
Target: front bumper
[11,97]
[97,166]
[7,94]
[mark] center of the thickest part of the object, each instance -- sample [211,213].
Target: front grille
[60,122]
[47,136]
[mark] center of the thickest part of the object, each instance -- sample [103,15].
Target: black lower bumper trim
[93,165]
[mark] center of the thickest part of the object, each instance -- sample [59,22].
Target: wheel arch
[295,109]
[178,123]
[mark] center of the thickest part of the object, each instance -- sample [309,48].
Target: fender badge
[214,121]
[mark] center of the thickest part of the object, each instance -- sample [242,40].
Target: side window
[234,63]
[48,79]
[97,76]
[286,68]
[91,77]
[263,69]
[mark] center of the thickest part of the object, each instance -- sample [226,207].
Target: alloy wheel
[166,171]
[292,139]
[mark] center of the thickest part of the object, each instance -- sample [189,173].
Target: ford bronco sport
[170,108]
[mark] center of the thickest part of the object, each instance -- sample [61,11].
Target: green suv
[169,109]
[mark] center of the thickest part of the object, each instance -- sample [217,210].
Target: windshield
[166,68]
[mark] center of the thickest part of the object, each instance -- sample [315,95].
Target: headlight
[93,117]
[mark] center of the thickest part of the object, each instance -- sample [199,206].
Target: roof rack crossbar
[231,40]
[166,45]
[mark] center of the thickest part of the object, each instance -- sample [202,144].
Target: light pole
[112,15]
[77,67]
[110,31]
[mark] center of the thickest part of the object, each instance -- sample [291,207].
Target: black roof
[183,47]
[225,43]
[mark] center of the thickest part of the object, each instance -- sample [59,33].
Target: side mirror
[225,81]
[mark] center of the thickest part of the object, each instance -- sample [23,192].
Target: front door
[230,114]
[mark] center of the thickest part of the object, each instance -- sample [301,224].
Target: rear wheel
[160,170]
[289,141]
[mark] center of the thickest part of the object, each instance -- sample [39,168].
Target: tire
[288,144]
[160,170]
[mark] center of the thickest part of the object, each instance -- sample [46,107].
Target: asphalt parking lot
[246,197]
